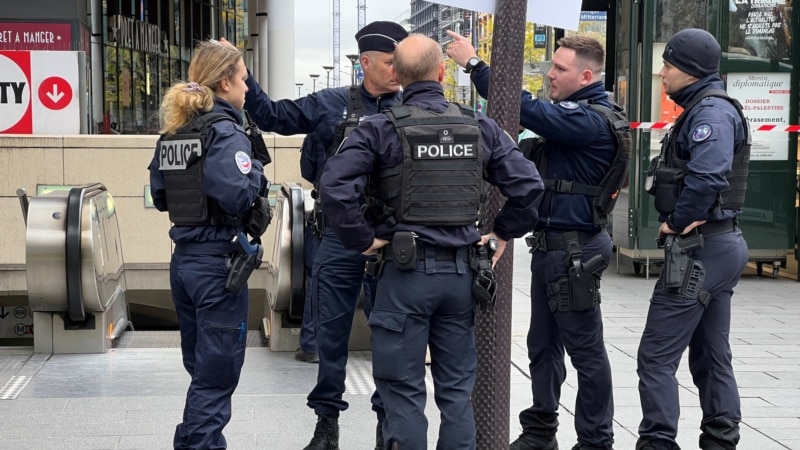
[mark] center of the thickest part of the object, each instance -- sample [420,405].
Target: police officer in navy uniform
[204,175]
[579,147]
[700,184]
[338,272]
[424,293]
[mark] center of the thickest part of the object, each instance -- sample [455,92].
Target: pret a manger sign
[40,92]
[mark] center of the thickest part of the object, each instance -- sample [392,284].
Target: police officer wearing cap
[426,160]
[337,272]
[700,182]
[570,248]
[204,175]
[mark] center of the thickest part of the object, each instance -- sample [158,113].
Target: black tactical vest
[355,111]
[604,196]
[440,180]
[669,170]
[181,158]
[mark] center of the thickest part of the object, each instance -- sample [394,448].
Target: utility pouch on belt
[258,217]
[404,250]
[580,289]
[247,259]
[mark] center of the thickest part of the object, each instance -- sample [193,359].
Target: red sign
[15,93]
[35,36]
[55,93]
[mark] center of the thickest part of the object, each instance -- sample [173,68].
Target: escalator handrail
[72,253]
[297,214]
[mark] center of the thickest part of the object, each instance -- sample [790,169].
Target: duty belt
[442,253]
[545,241]
[721,227]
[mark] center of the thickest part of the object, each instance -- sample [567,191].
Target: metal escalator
[74,270]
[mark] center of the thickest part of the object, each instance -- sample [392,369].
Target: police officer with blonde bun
[207,176]
[418,170]
[699,183]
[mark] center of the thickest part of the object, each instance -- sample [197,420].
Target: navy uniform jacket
[319,112]
[580,147]
[234,188]
[376,144]
[711,155]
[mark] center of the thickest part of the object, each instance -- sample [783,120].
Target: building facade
[135,49]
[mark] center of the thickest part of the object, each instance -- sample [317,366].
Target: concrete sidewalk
[133,397]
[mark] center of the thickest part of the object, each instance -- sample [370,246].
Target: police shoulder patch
[701,132]
[568,105]
[243,162]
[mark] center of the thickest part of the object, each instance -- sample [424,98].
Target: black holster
[484,285]
[319,217]
[681,271]
[247,259]
[580,289]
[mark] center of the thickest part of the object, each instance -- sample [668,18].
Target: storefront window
[148,47]
[675,15]
[761,28]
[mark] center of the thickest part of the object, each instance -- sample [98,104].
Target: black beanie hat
[380,36]
[694,51]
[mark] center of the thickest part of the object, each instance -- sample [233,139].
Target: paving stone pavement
[132,398]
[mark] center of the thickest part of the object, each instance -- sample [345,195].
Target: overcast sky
[314,40]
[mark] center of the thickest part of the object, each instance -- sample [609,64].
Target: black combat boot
[326,434]
[531,441]
[580,446]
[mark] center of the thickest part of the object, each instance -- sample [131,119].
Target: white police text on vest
[444,151]
[173,155]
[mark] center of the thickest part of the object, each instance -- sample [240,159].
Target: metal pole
[299,85]
[491,396]
[328,75]
[314,77]
[353,59]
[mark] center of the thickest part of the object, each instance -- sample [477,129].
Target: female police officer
[203,175]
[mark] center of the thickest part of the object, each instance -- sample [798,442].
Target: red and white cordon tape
[647,126]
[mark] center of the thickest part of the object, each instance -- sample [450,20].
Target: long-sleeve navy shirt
[376,143]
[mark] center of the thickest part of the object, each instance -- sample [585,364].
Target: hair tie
[193,87]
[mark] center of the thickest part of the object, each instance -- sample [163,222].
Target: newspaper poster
[765,100]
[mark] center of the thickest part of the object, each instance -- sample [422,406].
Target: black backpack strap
[355,105]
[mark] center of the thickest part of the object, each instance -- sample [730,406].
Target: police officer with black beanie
[427,160]
[700,179]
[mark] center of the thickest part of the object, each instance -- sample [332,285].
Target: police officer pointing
[422,166]
[700,179]
[338,272]
[203,173]
[582,156]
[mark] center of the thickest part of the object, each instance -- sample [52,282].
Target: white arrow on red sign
[55,93]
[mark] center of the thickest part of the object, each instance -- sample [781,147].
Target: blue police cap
[380,36]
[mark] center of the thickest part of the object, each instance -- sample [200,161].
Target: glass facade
[147,46]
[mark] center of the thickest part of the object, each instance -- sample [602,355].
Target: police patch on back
[446,136]
[178,154]
[243,162]
[444,151]
[702,132]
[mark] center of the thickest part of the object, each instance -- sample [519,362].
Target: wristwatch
[474,61]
